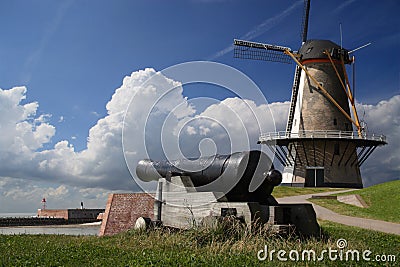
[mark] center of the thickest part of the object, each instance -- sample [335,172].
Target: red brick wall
[53,213]
[122,210]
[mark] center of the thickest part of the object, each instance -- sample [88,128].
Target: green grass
[287,191]
[186,248]
[383,202]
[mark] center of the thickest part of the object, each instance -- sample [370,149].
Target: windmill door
[314,177]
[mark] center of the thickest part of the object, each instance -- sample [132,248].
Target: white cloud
[101,167]
[383,118]
[96,114]
[21,132]
[22,195]
[191,130]
[20,192]
[204,130]
[102,164]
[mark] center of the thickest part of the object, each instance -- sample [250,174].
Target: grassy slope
[383,202]
[286,191]
[190,248]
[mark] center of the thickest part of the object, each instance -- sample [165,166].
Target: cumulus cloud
[102,163]
[159,120]
[383,118]
[23,195]
[22,132]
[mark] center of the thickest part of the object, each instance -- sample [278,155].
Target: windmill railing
[320,134]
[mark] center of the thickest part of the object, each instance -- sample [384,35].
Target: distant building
[71,214]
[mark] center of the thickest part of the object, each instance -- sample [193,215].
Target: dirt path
[326,214]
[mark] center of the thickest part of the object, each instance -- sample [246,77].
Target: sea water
[17,215]
[72,229]
[51,230]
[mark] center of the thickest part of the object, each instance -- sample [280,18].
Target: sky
[69,71]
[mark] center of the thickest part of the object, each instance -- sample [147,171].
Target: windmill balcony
[268,137]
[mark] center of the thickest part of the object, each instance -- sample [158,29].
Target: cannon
[232,174]
[194,192]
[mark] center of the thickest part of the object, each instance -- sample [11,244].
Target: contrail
[32,59]
[345,4]
[260,29]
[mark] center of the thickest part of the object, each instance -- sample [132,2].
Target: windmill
[319,147]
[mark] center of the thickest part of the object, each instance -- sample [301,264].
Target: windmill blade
[295,91]
[297,75]
[304,24]
[353,63]
[358,48]
[260,51]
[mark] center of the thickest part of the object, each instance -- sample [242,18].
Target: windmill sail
[297,74]
[259,51]
[295,92]
[305,20]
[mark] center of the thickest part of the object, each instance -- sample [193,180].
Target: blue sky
[73,55]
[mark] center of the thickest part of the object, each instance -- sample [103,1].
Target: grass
[186,248]
[383,202]
[287,191]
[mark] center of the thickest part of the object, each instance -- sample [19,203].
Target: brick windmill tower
[319,147]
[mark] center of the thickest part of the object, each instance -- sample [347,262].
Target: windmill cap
[314,49]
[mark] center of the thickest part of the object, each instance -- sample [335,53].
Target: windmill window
[334,121]
[309,50]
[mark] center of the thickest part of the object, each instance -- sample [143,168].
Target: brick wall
[53,213]
[122,210]
[69,214]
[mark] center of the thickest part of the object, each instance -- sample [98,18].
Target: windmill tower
[319,147]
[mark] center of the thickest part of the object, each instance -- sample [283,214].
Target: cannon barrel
[217,173]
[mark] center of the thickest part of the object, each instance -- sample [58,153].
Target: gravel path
[326,214]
